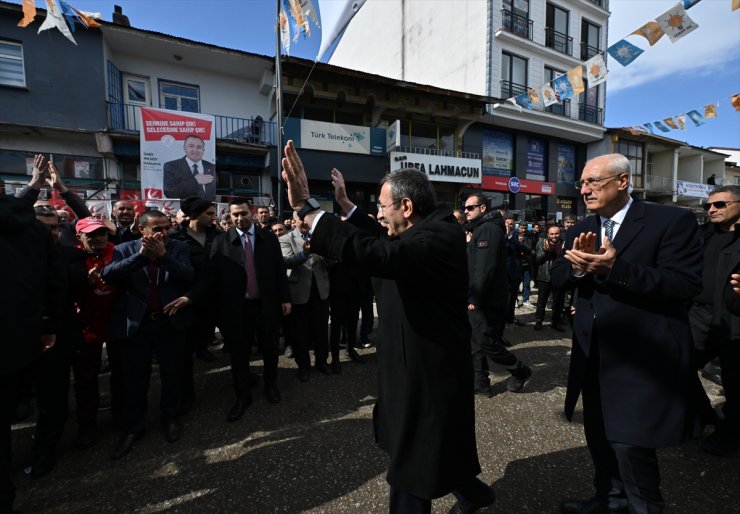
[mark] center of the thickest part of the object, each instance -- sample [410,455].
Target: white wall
[662,163]
[443,42]
[220,93]
[690,168]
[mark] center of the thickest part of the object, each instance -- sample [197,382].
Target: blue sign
[514,184]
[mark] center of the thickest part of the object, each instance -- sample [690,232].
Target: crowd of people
[146,286]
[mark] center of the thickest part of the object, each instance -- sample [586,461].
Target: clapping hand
[584,257]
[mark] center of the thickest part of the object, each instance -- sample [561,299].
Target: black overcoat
[638,317]
[424,417]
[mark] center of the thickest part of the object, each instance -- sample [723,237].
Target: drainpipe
[675,175]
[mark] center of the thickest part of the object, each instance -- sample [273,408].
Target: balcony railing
[588,51]
[558,41]
[125,118]
[509,89]
[563,109]
[658,184]
[517,24]
[434,151]
[591,114]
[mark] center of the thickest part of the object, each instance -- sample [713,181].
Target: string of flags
[678,122]
[675,23]
[60,15]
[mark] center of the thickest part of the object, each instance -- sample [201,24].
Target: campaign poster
[535,159]
[133,196]
[566,163]
[178,155]
[498,153]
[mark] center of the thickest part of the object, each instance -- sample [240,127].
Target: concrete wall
[64,82]
[662,163]
[690,168]
[220,93]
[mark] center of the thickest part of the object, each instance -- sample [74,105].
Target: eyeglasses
[595,183]
[717,205]
[382,207]
[471,208]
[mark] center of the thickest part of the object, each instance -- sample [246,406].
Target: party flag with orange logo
[88,21]
[676,23]
[575,77]
[549,96]
[595,70]
[735,101]
[710,111]
[681,120]
[671,123]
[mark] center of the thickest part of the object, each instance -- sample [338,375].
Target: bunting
[562,87]
[671,123]
[575,77]
[523,100]
[68,14]
[549,96]
[624,52]
[29,13]
[735,4]
[651,31]
[681,121]
[86,20]
[696,117]
[676,23]
[710,111]
[735,101]
[661,127]
[54,19]
[284,25]
[596,70]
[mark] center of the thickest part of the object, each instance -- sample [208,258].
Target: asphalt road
[314,451]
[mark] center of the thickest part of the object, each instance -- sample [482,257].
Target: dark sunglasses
[717,205]
[471,208]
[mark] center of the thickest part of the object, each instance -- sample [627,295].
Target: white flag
[676,23]
[595,70]
[549,96]
[54,18]
[285,31]
[335,16]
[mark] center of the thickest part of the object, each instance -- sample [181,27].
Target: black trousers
[240,331]
[345,313]
[52,391]
[9,389]
[711,342]
[402,502]
[368,316]
[487,328]
[309,322]
[544,289]
[160,338]
[623,473]
[86,367]
[511,301]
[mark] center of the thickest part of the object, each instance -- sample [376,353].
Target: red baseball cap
[89,224]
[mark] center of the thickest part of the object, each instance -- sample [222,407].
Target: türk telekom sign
[439,168]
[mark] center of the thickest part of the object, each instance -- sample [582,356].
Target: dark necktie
[609,229]
[154,302]
[252,290]
[195,170]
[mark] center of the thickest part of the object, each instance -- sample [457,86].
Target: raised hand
[294,176]
[340,191]
[55,179]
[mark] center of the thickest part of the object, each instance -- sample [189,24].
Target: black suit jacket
[178,181]
[637,315]
[224,279]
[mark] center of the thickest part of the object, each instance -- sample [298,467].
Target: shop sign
[530,187]
[333,137]
[439,168]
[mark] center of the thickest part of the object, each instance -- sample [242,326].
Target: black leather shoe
[592,506]
[303,374]
[238,409]
[272,393]
[172,431]
[556,325]
[43,463]
[467,507]
[486,392]
[354,356]
[364,342]
[336,367]
[323,368]
[125,445]
[205,355]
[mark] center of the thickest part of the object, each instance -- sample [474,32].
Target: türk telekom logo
[151,193]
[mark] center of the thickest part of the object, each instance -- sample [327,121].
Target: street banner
[178,155]
[498,153]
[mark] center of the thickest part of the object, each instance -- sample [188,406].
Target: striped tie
[609,229]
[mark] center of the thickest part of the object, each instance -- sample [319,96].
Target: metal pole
[279,112]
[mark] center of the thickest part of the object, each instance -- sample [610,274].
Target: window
[588,108]
[515,17]
[427,136]
[590,40]
[562,108]
[633,151]
[179,97]
[12,72]
[556,30]
[513,75]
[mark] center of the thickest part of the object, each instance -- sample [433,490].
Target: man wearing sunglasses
[488,296]
[634,265]
[716,332]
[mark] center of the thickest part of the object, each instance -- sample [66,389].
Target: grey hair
[412,184]
[617,163]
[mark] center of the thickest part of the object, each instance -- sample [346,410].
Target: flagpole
[278,111]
